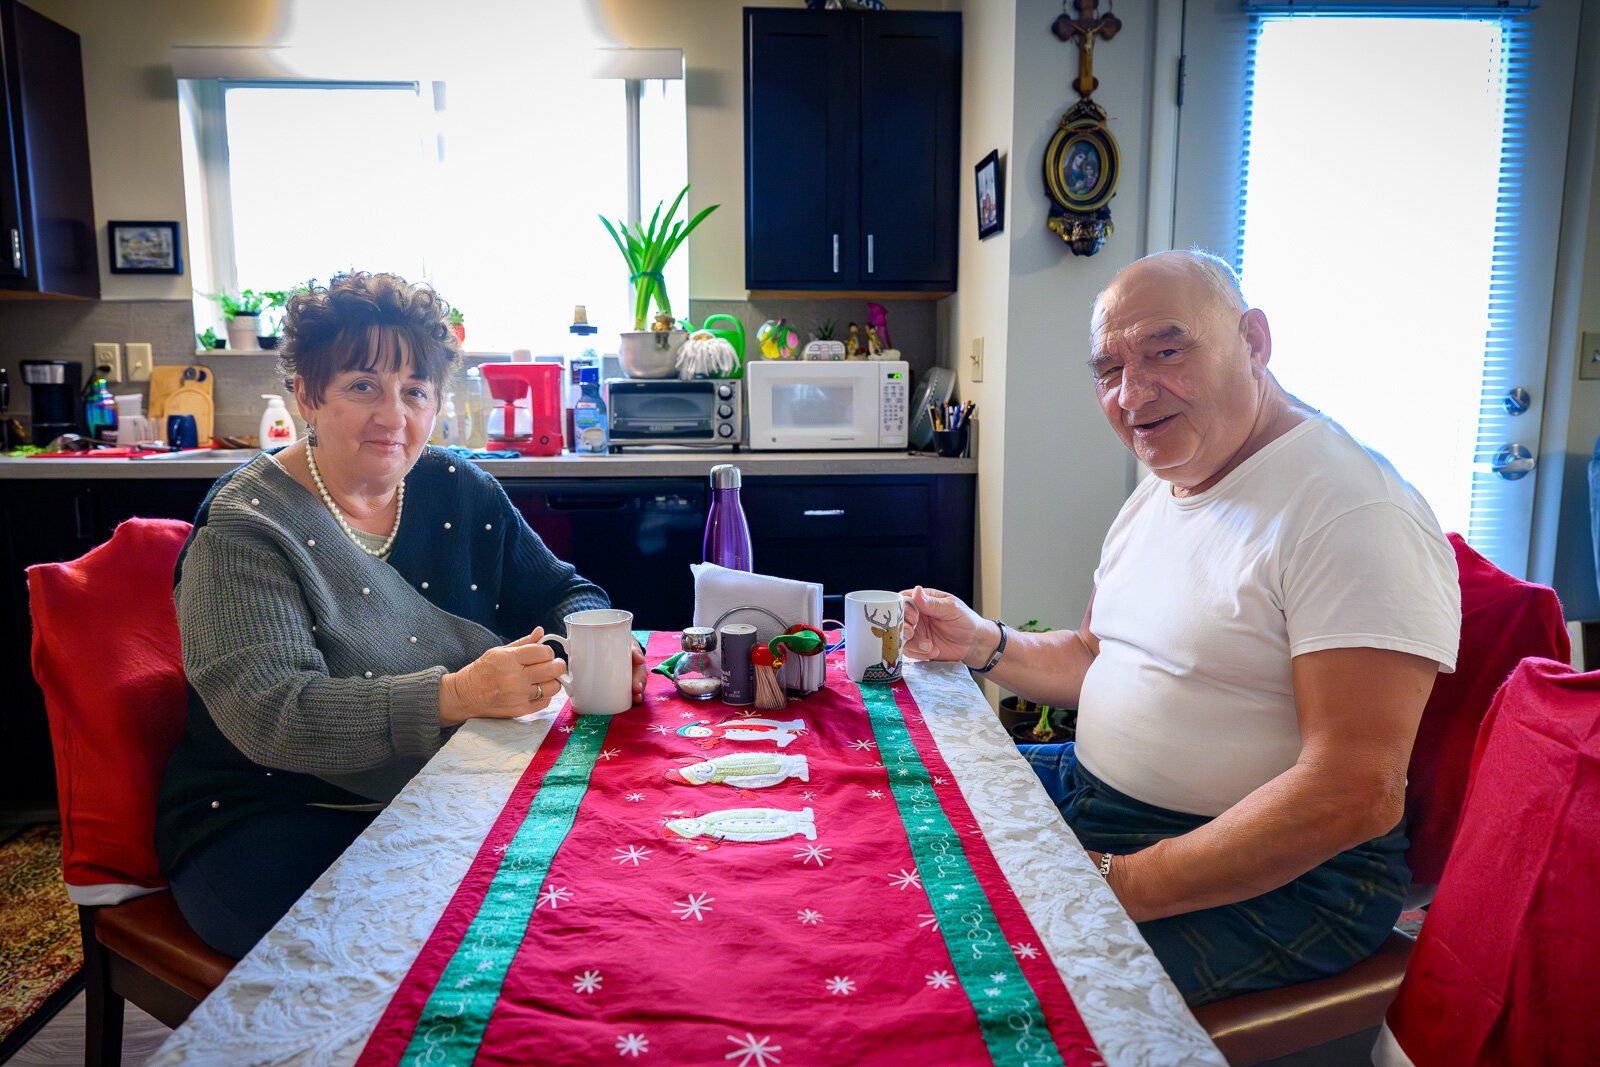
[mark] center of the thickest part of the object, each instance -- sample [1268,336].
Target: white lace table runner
[317,984]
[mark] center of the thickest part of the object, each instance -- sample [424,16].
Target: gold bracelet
[1105,865]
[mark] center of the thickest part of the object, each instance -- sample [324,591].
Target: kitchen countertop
[632,464]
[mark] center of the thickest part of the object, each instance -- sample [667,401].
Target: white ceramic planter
[242,332]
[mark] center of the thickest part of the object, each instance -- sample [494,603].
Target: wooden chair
[1504,620]
[116,698]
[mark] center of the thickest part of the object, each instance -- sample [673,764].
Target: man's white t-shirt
[1200,603]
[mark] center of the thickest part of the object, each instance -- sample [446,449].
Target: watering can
[733,334]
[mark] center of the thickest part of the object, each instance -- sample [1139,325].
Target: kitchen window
[480,187]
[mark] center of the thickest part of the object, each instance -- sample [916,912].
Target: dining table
[872,874]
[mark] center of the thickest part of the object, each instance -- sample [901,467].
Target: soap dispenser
[277,428]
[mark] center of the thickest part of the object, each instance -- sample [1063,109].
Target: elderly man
[1268,616]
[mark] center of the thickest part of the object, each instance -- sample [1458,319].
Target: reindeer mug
[872,620]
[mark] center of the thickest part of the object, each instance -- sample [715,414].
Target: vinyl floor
[60,1042]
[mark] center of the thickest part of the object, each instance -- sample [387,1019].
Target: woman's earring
[311,435]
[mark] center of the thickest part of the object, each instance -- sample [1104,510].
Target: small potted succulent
[651,351]
[458,325]
[210,340]
[1033,723]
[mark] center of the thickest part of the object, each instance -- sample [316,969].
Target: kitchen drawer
[823,510]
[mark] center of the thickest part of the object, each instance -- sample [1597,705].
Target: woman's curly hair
[366,321]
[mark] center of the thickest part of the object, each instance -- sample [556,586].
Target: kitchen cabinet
[852,139]
[47,228]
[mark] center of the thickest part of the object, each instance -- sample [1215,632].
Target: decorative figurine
[878,319]
[663,323]
[874,346]
[778,340]
[852,346]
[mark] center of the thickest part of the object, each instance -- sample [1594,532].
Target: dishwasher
[634,539]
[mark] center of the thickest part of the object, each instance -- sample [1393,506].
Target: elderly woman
[344,602]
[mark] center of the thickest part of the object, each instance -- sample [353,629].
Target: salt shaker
[695,676]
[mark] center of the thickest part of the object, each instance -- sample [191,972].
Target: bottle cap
[580,321]
[699,639]
[724,476]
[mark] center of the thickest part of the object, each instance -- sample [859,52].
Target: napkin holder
[720,593]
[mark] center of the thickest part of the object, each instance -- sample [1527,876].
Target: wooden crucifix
[1083,30]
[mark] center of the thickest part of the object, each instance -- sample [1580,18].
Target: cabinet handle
[81,519]
[16,249]
[823,513]
[869,253]
[835,252]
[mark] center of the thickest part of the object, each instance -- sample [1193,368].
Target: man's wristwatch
[994,660]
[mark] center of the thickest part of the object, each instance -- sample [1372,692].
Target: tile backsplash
[68,329]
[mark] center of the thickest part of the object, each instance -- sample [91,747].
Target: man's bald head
[1198,264]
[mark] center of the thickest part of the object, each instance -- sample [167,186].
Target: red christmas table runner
[693,883]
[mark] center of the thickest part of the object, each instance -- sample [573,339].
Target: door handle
[835,253]
[869,253]
[1513,461]
[16,249]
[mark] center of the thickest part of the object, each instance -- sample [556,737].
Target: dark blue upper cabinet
[852,130]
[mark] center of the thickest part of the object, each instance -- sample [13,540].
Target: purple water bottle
[727,542]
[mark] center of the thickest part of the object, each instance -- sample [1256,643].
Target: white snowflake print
[564,729]
[862,746]
[929,919]
[807,853]
[632,854]
[555,896]
[632,1045]
[875,794]
[750,712]
[998,978]
[841,986]
[587,982]
[753,1051]
[941,980]
[903,771]
[686,715]
[808,917]
[1024,950]
[634,798]
[660,728]
[808,794]
[991,992]
[952,896]
[906,879]
[500,850]
[608,753]
[937,780]
[694,906]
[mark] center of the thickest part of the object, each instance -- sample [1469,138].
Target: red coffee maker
[528,418]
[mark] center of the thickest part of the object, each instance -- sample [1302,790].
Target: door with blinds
[1388,180]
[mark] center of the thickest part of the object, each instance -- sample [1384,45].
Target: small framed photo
[145,248]
[991,196]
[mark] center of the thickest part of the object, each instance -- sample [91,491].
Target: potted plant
[1033,723]
[458,325]
[243,312]
[210,340]
[269,326]
[652,351]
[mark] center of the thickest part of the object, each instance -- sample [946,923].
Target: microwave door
[822,412]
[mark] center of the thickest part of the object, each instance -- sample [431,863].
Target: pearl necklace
[327,498]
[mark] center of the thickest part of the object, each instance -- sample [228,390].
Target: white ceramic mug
[872,634]
[599,644]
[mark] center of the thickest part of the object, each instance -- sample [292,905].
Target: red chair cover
[107,654]
[1503,972]
[1503,621]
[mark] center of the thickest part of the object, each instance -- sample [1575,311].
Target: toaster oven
[703,413]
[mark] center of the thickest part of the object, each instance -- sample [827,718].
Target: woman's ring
[538,691]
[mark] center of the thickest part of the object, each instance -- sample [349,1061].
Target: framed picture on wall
[990,195]
[145,248]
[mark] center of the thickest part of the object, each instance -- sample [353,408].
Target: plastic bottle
[473,432]
[100,411]
[447,427]
[580,353]
[589,415]
[727,540]
[277,428]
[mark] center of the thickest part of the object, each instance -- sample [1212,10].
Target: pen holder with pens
[952,443]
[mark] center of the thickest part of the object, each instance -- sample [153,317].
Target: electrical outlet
[108,361]
[1589,357]
[139,361]
[977,359]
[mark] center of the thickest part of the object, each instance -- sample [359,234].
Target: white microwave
[794,404]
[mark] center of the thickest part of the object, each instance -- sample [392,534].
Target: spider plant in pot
[651,351]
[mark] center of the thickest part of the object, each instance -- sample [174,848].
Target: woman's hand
[503,683]
[640,675]
[940,627]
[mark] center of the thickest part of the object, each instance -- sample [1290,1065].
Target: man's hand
[640,675]
[940,627]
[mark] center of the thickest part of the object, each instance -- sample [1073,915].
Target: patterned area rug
[40,951]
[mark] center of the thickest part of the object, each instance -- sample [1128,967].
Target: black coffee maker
[56,398]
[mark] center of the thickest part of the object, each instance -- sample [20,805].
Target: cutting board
[166,382]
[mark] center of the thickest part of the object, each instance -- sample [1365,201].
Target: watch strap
[994,660]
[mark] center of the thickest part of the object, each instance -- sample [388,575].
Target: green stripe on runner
[452,1023]
[1009,1015]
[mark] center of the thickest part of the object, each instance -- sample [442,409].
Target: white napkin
[718,589]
